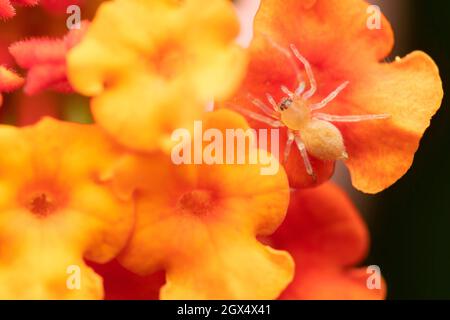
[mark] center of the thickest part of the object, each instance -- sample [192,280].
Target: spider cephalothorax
[312,131]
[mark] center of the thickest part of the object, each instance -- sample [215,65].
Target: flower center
[42,198]
[198,202]
[42,204]
[167,59]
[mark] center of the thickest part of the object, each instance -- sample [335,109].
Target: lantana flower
[327,239]
[9,81]
[45,60]
[55,210]
[315,73]
[152,66]
[199,223]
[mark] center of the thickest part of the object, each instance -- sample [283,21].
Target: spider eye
[285,103]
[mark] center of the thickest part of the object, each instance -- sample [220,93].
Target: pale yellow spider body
[321,138]
[297,115]
[312,131]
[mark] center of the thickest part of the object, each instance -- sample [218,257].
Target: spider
[312,131]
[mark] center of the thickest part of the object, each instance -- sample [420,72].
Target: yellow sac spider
[312,131]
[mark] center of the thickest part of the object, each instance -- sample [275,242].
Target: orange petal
[326,236]
[199,223]
[296,171]
[381,152]
[323,283]
[325,222]
[331,34]
[327,31]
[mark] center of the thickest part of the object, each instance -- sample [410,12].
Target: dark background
[410,222]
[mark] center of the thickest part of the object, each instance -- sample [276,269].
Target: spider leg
[287,149]
[287,92]
[330,97]
[288,55]
[301,147]
[272,102]
[259,117]
[308,94]
[262,106]
[300,89]
[353,118]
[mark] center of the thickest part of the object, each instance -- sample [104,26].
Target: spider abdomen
[323,140]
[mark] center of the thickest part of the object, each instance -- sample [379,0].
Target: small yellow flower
[55,211]
[151,66]
[200,223]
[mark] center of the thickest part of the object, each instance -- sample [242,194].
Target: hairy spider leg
[300,89]
[288,55]
[297,92]
[272,102]
[353,118]
[302,148]
[312,80]
[258,117]
[287,92]
[330,97]
[262,106]
[287,149]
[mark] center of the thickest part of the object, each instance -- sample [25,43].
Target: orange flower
[158,69]
[55,211]
[315,73]
[46,60]
[326,237]
[8,81]
[199,223]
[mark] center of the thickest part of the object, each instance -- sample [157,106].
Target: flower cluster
[101,210]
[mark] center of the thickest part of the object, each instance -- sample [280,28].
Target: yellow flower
[151,66]
[200,223]
[55,211]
